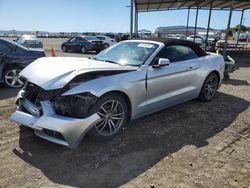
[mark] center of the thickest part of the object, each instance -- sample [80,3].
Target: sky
[97,16]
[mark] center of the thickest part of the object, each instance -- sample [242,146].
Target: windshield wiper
[109,61]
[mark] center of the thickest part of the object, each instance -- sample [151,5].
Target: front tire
[209,88]
[11,78]
[113,111]
[64,48]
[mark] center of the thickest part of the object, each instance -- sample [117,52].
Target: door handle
[192,68]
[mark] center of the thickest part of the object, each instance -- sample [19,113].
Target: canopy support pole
[187,22]
[208,25]
[228,27]
[131,18]
[136,24]
[239,30]
[196,20]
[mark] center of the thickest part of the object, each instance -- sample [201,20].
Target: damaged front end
[61,119]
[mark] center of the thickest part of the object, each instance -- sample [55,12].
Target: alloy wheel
[12,78]
[112,116]
[106,45]
[211,87]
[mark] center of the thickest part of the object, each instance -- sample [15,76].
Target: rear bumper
[52,127]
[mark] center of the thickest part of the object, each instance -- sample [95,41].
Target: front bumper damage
[48,125]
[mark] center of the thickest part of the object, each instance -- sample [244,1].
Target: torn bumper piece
[50,126]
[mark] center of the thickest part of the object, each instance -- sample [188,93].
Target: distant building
[165,31]
[143,33]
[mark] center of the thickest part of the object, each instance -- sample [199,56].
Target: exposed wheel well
[217,74]
[125,96]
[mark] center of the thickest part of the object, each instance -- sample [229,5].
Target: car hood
[55,72]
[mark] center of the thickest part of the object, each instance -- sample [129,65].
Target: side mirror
[162,62]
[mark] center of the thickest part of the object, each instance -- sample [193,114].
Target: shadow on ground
[6,93]
[235,82]
[140,146]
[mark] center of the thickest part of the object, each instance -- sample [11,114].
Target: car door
[72,45]
[3,52]
[80,41]
[174,83]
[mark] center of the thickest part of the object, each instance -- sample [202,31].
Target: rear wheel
[11,77]
[113,112]
[209,87]
[83,49]
[106,45]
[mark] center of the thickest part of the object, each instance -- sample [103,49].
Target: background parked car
[177,36]
[107,41]
[198,39]
[83,44]
[244,37]
[13,58]
[29,41]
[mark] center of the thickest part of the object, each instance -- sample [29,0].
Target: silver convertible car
[65,98]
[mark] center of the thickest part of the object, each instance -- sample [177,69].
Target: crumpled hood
[56,72]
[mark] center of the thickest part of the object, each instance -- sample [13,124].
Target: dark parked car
[13,58]
[83,44]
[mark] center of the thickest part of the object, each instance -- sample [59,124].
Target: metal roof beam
[172,4]
[205,5]
[148,4]
[159,2]
[221,3]
[160,5]
[246,6]
[239,6]
[228,6]
[183,4]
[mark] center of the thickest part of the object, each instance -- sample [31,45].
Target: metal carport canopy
[161,5]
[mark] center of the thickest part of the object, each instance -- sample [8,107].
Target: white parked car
[177,36]
[107,41]
[198,39]
[29,41]
[64,98]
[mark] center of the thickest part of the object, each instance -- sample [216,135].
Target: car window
[72,40]
[101,38]
[4,48]
[177,53]
[90,38]
[80,39]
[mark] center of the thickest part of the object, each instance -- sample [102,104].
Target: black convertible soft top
[170,42]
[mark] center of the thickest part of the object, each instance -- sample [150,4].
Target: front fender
[131,83]
[99,86]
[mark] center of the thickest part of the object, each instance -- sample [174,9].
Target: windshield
[128,53]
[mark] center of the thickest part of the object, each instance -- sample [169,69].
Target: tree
[243,28]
